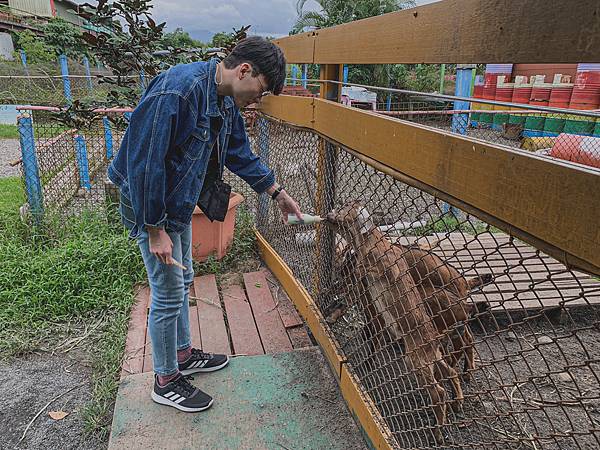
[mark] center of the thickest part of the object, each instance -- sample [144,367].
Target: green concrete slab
[282,401]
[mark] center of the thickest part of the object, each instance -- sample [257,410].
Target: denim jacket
[162,161]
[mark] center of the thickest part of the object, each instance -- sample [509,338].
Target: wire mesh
[68,166]
[462,336]
[569,137]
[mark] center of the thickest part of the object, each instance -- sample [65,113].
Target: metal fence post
[263,145]
[88,74]
[304,75]
[294,74]
[142,80]
[64,70]
[464,75]
[82,162]
[108,138]
[24,61]
[33,185]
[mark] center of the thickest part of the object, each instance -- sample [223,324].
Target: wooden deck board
[265,323]
[210,315]
[244,335]
[268,322]
[133,360]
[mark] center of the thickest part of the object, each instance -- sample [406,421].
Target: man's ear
[244,69]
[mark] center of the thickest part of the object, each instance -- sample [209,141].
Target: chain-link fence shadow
[463,336]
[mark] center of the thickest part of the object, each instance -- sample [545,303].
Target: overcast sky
[203,18]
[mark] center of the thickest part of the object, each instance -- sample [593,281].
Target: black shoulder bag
[215,193]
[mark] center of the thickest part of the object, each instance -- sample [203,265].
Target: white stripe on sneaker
[175,397]
[203,363]
[169,394]
[178,401]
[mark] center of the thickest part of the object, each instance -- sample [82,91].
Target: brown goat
[396,307]
[444,289]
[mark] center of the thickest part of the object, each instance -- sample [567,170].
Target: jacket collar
[212,97]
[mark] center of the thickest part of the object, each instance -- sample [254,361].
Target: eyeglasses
[263,91]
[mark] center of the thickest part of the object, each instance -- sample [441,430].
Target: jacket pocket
[197,143]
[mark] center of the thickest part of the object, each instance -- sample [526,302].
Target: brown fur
[445,291]
[395,307]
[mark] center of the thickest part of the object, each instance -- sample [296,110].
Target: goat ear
[364,220]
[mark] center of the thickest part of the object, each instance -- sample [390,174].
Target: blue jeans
[168,320]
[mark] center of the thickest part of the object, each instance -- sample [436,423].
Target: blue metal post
[88,74]
[345,78]
[142,80]
[33,185]
[304,75]
[82,162]
[24,61]
[388,102]
[263,146]
[108,138]
[464,75]
[294,74]
[64,70]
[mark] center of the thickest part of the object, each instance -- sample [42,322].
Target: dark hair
[265,58]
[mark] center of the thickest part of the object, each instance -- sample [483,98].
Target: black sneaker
[203,362]
[181,394]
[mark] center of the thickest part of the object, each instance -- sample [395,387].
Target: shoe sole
[165,401]
[202,369]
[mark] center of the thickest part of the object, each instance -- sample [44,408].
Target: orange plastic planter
[213,238]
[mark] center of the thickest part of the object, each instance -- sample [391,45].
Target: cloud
[267,17]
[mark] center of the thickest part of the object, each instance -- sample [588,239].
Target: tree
[220,39]
[179,39]
[36,49]
[336,12]
[64,38]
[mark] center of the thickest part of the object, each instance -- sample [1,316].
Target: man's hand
[161,245]
[287,205]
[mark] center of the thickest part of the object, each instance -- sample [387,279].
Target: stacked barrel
[583,94]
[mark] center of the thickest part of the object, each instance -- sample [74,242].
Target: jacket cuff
[160,224]
[264,183]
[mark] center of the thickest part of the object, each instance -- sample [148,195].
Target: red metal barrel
[521,94]
[540,94]
[586,92]
[579,149]
[560,96]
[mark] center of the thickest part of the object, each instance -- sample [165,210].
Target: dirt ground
[27,384]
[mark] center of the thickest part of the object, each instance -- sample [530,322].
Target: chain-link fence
[43,84]
[64,169]
[463,336]
[571,136]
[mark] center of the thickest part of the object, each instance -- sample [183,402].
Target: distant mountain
[201,35]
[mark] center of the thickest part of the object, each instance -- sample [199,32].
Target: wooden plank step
[148,367]
[133,360]
[210,314]
[299,337]
[194,320]
[244,334]
[285,307]
[269,324]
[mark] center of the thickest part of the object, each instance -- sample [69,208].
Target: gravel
[9,151]
[27,384]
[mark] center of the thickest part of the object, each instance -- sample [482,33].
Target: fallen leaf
[58,415]
[258,285]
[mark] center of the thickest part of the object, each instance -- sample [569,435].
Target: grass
[243,249]
[8,132]
[70,283]
[64,284]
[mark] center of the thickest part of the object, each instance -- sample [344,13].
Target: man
[184,130]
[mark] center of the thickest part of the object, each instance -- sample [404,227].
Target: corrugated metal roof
[34,7]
